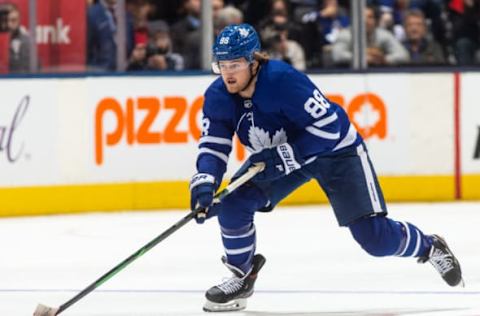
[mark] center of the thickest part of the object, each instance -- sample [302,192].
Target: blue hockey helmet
[236,41]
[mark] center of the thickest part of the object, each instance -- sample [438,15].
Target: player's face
[13,20]
[415,28]
[235,74]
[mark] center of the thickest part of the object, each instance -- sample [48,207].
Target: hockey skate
[232,294]
[443,260]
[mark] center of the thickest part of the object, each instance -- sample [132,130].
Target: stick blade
[43,310]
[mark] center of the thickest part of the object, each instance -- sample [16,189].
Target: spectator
[280,47]
[222,16]
[465,17]
[101,43]
[138,58]
[382,47]
[19,43]
[159,50]
[392,15]
[254,11]
[279,15]
[217,5]
[422,48]
[140,10]
[323,8]
[320,22]
[168,10]
[188,24]
[226,16]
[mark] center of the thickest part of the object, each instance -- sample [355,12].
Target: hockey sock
[414,242]
[239,246]
[236,225]
[381,236]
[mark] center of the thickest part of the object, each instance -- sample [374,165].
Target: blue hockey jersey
[285,107]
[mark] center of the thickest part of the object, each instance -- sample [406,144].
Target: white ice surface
[313,267]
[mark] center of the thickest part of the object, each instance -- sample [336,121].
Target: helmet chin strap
[252,75]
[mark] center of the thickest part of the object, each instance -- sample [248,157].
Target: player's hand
[279,161]
[202,189]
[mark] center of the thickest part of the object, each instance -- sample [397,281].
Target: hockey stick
[43,310]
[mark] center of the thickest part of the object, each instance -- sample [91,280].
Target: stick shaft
[104,278]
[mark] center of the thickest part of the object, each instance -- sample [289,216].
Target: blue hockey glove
[202,189]
[279,161]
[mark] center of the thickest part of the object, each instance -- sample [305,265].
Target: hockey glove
[202,189]
[279,161]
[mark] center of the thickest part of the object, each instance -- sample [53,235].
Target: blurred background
[54,36]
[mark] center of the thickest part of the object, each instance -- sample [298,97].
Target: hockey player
[286,122]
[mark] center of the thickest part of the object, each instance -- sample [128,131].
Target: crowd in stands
[309,34]
[313,34]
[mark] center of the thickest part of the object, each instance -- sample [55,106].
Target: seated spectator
[19,52]
[422,48]
[279,15]
[156,54]
[217,5]
[226,16]
[138,58]
[308,9]
[159,50]
[280,47]
[101,42]
[319,21]
[221,18]
[392,15]
[188,23]
[141,10]
[465,17]
[253,11]
[382,47]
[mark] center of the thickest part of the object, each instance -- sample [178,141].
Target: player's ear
[255,66]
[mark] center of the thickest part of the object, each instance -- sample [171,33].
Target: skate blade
[232,306]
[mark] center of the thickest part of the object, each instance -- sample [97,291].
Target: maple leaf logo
[367,117]
[243,32]
[260,139]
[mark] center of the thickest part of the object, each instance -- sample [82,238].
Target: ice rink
[313,267]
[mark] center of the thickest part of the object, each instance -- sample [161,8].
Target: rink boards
[112,143]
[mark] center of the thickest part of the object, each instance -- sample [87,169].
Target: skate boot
[232,294]
[443,260]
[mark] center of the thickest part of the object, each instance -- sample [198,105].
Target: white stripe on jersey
[240,121]
[319,133]
[215,140]
[215,153]
[329,119]
[349,139]
[407,242]
[247,234]
[239,250]
[372,190]
[417,246]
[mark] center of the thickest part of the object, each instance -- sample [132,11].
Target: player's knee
[238,208]
[374,235]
